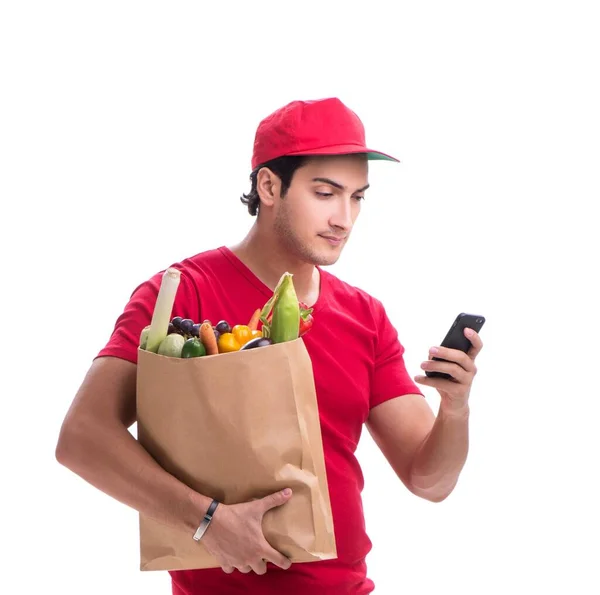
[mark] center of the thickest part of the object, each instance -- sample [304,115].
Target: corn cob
[284,306]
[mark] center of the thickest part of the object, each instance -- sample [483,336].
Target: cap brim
[348,150]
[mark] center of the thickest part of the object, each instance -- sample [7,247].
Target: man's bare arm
[95,444]
[442,456]
[426,452]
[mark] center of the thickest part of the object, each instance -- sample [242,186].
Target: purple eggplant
[258,342]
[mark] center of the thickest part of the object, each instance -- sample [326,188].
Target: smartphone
[455,338]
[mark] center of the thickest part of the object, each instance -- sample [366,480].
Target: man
[309,176]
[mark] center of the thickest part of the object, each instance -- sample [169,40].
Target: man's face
[316,216]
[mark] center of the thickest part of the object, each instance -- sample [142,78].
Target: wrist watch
[206,520]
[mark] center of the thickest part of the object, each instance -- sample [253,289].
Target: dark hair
[284,168]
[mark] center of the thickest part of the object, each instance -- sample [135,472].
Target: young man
[309,175]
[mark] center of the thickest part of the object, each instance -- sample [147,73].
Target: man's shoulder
[201,262]
[206,258]
[193,269]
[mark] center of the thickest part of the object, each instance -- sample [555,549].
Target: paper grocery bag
[235,427]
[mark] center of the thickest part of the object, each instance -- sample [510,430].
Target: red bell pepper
[306,319]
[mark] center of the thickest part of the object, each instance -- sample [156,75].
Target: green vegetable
[171,345]
[284,322]
[159,327]
[144,336]
[193,347]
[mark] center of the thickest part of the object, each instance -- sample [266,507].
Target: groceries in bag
[283,318]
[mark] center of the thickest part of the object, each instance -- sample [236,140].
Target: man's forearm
[440,459]
[107,456]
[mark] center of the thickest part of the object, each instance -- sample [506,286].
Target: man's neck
[268,260]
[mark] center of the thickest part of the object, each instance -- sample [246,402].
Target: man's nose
[342,216]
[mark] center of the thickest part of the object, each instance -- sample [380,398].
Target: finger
[441,384]
[245,569]
[453,355]
[459,374]
[228,569]
[274,500]
[260,567]
[477,343]
[272,555]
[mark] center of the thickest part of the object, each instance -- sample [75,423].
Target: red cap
[318,127]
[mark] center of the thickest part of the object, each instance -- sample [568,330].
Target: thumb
[276,499]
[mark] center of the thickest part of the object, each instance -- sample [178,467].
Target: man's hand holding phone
[451,366]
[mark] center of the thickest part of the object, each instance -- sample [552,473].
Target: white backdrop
[125,134]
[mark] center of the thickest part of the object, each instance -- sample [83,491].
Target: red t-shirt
[358,363]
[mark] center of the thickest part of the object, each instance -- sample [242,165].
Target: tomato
[242,333]
[228,343]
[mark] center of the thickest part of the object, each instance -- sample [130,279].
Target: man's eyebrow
[337,184]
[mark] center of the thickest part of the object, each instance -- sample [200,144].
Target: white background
[125,134]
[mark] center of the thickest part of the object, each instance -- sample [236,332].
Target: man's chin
[325,260]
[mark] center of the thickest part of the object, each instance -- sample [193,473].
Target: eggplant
[258,342]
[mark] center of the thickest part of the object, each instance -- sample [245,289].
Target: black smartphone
[455,338]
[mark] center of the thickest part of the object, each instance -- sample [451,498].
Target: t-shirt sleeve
[137,314]
[390,377]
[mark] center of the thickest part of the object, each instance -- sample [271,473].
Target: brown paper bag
[237,426]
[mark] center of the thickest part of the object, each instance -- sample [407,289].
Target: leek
[161,316]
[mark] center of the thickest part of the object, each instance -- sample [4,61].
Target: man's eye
[359,197]
[324,194]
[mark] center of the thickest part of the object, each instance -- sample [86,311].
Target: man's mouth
[333,240]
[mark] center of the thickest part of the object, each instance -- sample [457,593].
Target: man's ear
[268,186]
